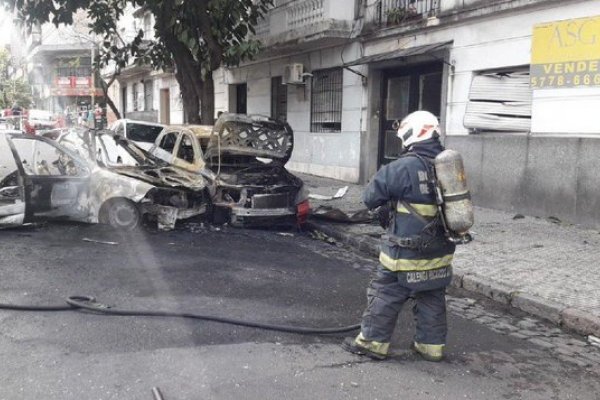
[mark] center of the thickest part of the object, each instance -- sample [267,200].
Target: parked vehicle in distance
[142,133]
[243,156]
[92,177]
[39,120]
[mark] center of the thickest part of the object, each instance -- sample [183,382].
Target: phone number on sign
[562,80]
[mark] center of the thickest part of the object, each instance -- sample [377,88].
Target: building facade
[139,92]
[59,65]
[342,72]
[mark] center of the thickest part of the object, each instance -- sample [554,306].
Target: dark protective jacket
[406,180]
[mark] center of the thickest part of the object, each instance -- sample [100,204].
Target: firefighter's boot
[371,349]
[429,352]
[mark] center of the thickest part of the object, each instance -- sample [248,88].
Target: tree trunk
[188,75]
[109,101]
[208,100]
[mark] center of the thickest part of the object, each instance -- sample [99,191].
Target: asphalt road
[257,275]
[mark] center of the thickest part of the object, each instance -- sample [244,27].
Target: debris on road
[318,235]
[100,241]
[338,195]
[337,215]
[285,234]
[594,341]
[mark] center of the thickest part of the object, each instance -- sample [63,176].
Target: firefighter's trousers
[387,294]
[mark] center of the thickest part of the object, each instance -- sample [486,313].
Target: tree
[12,90]
[195,37]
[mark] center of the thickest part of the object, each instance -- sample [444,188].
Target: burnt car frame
[243,156]
[74,179]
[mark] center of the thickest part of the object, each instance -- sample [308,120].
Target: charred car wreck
[243,158]
[93,177]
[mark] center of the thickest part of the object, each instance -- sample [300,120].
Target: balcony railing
[399,12]
[291,19]
[304,13]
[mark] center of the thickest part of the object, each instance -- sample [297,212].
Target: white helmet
[417,127]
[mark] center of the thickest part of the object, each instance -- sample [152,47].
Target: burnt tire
[121,214]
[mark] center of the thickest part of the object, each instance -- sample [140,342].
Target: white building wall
[502,41]
[335,154]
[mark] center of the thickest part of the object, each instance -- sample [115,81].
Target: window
[326,101]
[168,142]
[40,158]
[148,95]
[499,101]
[186,149]
[148,26]
[135,96]
[142,132]
[278,99]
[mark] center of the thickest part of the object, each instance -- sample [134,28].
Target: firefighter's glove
[384,215]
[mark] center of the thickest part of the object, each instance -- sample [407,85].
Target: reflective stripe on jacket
[405,180]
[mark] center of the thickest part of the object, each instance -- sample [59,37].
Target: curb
[573,319]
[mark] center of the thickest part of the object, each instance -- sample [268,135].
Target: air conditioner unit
[293,74]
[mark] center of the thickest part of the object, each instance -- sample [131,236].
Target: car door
[56,182]
[12,191]
[187,152]
[164,146]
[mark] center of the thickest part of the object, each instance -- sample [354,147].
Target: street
[267,276]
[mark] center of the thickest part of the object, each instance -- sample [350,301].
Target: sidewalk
[539,265]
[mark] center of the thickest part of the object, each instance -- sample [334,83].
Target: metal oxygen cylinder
[457,206]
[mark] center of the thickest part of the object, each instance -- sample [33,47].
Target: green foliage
[12,90]
[212,32]
[196,36]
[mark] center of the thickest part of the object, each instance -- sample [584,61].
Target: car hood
[240,135]
[163,176]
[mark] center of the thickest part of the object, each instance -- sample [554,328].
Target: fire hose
[88,303]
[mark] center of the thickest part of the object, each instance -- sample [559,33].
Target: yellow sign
[566,53]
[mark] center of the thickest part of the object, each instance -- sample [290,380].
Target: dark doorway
[406,90]
[123,101]
[241,98]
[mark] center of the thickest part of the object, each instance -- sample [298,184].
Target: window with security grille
[278,99]
[148,95]
[326,101]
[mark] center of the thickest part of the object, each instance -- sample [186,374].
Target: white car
[142,133]
[92,176]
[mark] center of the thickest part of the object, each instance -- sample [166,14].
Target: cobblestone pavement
[573,349]
[568,348]
[539,264]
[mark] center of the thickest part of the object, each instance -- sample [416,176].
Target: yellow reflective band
[414,265]
[433,352]
[426,210]
[375,347]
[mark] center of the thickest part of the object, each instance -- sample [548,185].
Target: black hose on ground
[89,303]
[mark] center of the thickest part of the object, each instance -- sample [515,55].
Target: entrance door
[165,106]
[123,101]
[241,97]
[406,90]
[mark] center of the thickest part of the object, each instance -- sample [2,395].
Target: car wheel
[121,214]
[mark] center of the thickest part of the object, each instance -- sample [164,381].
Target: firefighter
[415,258]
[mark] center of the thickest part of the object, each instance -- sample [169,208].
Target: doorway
[123,102]
[405,90]
[165,106]
[241,98]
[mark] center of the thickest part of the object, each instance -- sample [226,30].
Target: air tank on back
[457,207]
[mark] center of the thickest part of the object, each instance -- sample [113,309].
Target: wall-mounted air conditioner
[293,74]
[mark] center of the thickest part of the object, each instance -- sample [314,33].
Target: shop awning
[399,53]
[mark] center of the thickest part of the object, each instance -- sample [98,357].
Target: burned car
[92,177]
[243,156]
